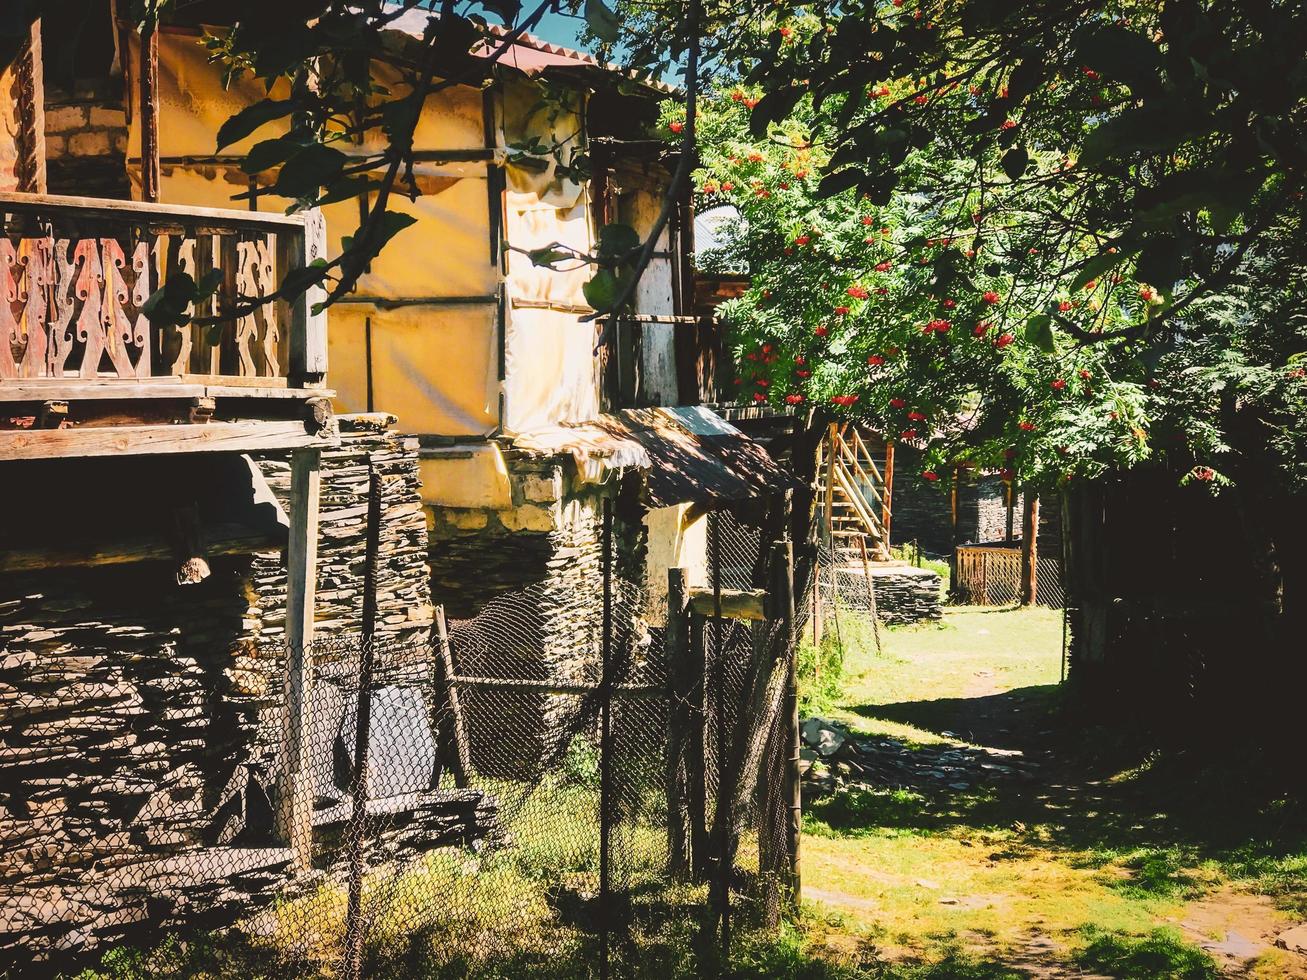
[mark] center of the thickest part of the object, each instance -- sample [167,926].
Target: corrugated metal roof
[692,455]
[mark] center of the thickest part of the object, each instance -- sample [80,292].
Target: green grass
[1160,955]
[1115,840]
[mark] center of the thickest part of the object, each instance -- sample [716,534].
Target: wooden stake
[295,793]
[696,759]
[451,730]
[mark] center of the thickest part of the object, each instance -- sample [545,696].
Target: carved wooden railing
[75,274]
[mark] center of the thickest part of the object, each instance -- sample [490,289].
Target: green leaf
[602,21]
[772,107]
[616,240]
[270,153]
[1095,267]
[392,223]
[1119,53]
[251,118]
[1039,331]
[313,167]
[1014,162]
[839,181]
[548,256]
[602,291]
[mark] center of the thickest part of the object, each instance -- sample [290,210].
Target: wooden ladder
[855,494]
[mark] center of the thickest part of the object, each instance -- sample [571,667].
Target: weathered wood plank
[97,207]
[736,603]
[226,539]
[142,440]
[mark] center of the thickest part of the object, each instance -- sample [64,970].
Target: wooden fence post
[696,758]
[680,719]
[1030,549]
[295,793]
[784,602]
[451,732]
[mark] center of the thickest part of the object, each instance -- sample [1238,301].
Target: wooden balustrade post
[307,329]
[295,789]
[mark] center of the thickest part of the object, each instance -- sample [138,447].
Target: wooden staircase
[854,494]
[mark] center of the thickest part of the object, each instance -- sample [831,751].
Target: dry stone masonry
[140,722]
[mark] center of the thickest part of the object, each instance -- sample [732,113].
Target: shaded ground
[972,815]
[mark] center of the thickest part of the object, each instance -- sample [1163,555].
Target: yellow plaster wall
[473,477]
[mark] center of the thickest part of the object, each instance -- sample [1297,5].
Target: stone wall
[140,721]
[922,511]
[86,141]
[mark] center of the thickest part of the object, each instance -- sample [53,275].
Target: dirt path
[966,819]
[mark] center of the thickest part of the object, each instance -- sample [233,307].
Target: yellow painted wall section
[434,366]
[474,477]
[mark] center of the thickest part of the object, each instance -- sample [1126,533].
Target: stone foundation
[140,721]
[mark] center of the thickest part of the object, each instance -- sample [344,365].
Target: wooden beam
[224,539]
[144,212]
[736,603]
[887,496]
[144,440]
[295,791]
[149,97]
[37,390]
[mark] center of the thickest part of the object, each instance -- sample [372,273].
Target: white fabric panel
[552,373]
[533,224]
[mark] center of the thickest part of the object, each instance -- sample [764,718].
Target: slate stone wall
[140,720]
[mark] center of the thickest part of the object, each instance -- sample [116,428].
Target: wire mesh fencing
[502,799]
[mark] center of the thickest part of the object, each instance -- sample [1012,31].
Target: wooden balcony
[83,371]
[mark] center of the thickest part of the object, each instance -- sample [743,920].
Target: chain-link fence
[503,799]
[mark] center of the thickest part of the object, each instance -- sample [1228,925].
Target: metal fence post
[362,722]
[605,763]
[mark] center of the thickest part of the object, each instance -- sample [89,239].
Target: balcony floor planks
[111,389]
[142,440]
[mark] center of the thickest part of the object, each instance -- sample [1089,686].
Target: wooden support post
[953,554]
[149,79]
[681,682]
[308,330]
[1011,509]
[832,449]
[295,792]
[1030,549]
[29,67]
[450,728]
